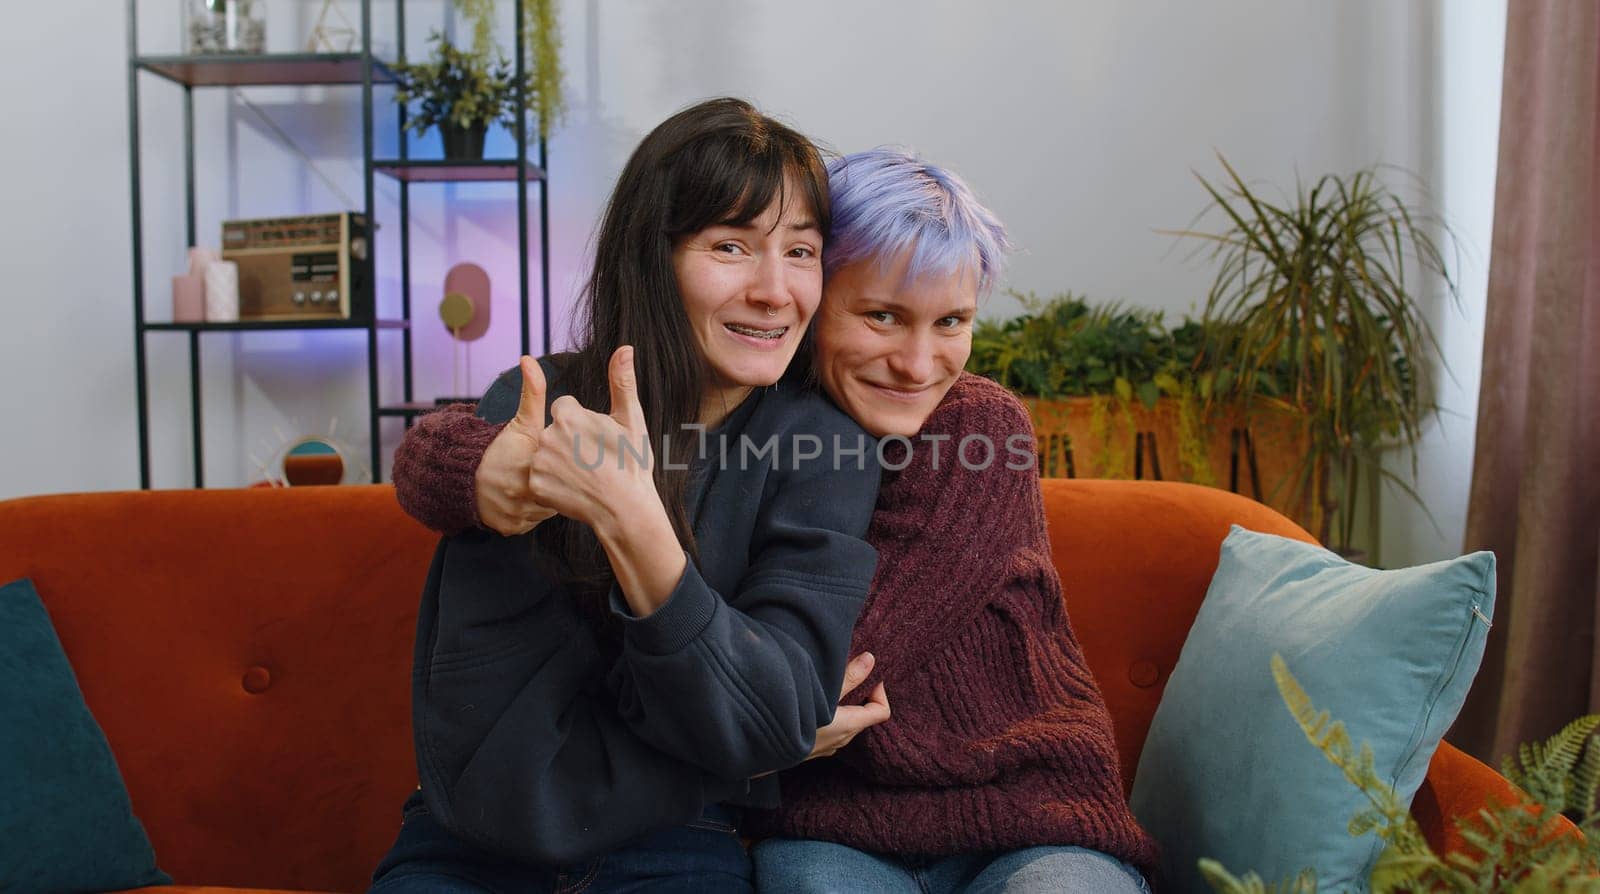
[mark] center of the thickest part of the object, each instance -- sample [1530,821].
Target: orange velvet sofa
[248,654]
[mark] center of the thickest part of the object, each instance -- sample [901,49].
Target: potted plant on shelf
[1315,305]
[1115,393]
[461,93]
[541,31]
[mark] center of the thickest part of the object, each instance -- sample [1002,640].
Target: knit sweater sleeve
[436,464]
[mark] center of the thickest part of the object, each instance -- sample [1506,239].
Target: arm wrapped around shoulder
[435,465]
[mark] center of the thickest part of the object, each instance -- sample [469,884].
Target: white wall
[1080,123]
[1472,38]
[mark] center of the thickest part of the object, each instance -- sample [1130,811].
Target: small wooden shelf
[268,325]
[272,69]
[455,171]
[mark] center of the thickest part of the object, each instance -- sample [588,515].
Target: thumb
[530,408]
[625,407]
[856,671]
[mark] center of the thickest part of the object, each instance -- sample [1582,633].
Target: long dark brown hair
[718,162]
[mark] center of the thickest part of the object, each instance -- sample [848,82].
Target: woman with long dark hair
[590,693]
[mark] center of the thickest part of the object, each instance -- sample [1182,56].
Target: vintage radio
[306,268]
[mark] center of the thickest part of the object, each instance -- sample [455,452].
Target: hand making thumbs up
[595,467]
[625,407]
[507,502]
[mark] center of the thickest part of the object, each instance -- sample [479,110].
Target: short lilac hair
[887,200]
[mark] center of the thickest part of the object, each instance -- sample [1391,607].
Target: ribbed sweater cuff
[435,469]
[676,623]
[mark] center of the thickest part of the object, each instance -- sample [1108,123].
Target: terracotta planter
[1258,456]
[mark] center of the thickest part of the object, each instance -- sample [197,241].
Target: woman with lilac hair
[996,769]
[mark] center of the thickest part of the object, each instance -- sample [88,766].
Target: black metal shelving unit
[364,70]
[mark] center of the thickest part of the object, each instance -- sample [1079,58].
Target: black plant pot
[463,143]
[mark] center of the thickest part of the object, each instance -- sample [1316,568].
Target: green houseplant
[1517,848]
[1315,304]
[1118,384]
[462,92]
[1064,347]
[542,47]
[459,92]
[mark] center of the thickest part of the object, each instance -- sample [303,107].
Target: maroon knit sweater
[999,737]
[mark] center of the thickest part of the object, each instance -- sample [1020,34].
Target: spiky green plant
[1324,288]
[1516,848]
[541,28]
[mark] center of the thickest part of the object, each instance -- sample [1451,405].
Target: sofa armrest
[1459,784]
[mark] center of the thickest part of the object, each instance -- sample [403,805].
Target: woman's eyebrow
[897,307]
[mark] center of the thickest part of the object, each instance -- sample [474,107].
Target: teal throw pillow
[66,823]
[1226,772]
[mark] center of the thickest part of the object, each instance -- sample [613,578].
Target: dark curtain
[1536,478]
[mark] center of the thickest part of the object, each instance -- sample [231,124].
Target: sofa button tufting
[1144,674]
[256,680]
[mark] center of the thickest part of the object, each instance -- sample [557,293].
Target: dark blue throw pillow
[66,823]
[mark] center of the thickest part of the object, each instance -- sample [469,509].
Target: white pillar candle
[222,292]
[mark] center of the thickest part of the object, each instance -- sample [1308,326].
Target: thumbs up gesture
[596,467]
[507,502]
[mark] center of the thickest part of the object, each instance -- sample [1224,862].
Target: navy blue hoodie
[532,744]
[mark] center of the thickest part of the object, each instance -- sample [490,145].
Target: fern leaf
[1365,821]
[1558,873]
[1397,872]
[1546,771]
[1567,746]
[1304,883]
[1224,882]
[1586,784]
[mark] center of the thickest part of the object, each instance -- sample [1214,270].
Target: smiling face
[888,350]
[749,290]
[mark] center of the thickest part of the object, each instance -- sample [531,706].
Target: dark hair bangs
[731,179]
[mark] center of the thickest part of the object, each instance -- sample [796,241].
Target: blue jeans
[705,855]
[796,866]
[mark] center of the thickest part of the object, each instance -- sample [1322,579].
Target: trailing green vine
[544,75]
[480,14]
[542,27]
[1100,432]
[1193,426]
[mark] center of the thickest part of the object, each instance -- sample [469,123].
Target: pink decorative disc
[472,281]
